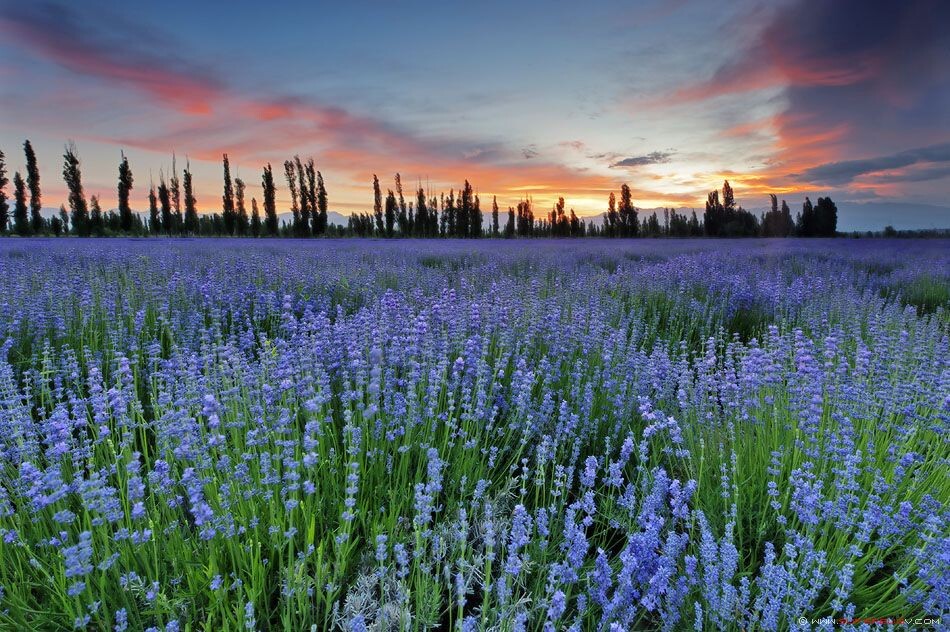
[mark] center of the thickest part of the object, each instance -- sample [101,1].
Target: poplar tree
[378,206]
[33,182]
[494,216]
[63,219]
[164,198]
[390,214]
[422,223]
[255,218]
[630,225]
[291,177]
[475,220]
[242,221]
[72,175]
[20,219]
[270,204]
[191,208]
[402,218]
[302,229]
[322,201]
[96,223]
[154,223]
[313,226]
[227,208]
[174,189]
[125,188]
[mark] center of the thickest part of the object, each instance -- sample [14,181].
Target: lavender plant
[214,435]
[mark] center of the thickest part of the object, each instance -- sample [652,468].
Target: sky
[848,98]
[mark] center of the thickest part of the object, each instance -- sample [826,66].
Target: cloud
[195,111]
[850,78]
[845,171]
[654,158]
[63,37]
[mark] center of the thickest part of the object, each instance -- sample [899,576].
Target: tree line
[173,210]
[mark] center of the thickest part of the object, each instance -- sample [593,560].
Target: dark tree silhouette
[378,207]
[72,175]
[242,221]
[611,218]
[629,223]
[826,217]
[302,228]
[270,203]
[164,198]
[33,182]
[174,190]
[96,220]
[322,201]
[21,221]
[63,219]
[402,217]
[154,221]
[227,206]
[494,216]
[476,218]
[805,222]
[125,189]
[712,218]
[290,175]
[390,214]
[255,219]
[510,224]
[191,204]
[60,224]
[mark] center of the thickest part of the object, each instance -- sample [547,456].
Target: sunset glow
[544,102]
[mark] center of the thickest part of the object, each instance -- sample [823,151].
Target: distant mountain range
[852,216]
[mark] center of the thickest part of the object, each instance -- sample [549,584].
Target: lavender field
[474,435]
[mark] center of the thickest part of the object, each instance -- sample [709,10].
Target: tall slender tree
[33,182]
[64,219]
[322,201]
[313,226]
[270,203]
[291,176]
[475,218]
[494,216]
[96,221]
[242,221]
[378,207]
[403,218]
[125,188]
[154,220]
[302,228]
[227,206]
[72,175]
[4,206]
[174,190]
[191,204]
[21,220]
[422,224]
[164,198]
[391,214]
[629,223]
[255,219]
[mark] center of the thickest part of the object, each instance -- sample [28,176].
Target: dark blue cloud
[845,171]
[653,158]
